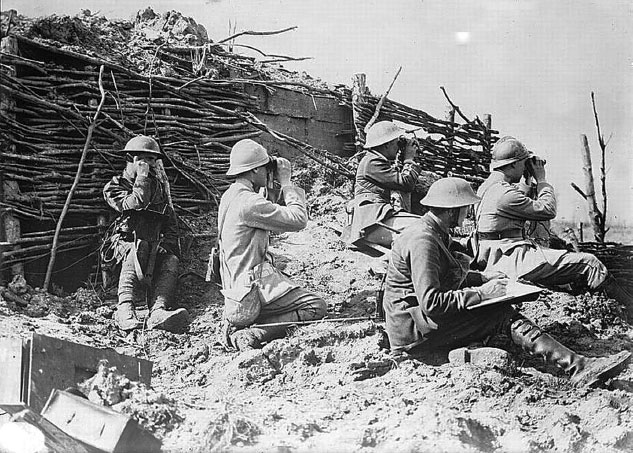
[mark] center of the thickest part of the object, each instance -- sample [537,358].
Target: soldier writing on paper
[429,288]
[502,216]
[245,219]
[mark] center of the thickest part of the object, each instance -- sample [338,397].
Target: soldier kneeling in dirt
[429,288]
[253,288]
[145,239]
[375,219]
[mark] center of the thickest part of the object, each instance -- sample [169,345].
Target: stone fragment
[485,357]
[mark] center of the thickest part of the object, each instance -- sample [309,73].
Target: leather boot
[125,317]
[175,321]
[585,372]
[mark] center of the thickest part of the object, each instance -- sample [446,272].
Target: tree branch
[255,33]
[381,102]
[457,109]
[60,221]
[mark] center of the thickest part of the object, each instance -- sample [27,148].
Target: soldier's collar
[438,222]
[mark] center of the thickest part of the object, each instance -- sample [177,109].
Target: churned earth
[332,386]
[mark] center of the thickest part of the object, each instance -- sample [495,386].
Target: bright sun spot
[462,37]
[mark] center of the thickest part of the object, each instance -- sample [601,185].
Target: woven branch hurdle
[461,150]
[196,120]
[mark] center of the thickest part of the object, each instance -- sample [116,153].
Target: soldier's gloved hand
[142,168]
[284,171]
[494,288]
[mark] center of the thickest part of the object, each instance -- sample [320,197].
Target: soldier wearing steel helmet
[145,240]
[502,216]
[245,220]
[429,289]
[376,178]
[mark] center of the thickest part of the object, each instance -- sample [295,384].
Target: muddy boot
[175,321]
[616,291]
[125,317]
[600,369]
[223,336]
[245,340]
[585,372]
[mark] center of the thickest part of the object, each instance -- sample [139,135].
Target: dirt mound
[168,44]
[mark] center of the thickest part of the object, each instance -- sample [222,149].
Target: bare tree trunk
[359,89]
[594,213]
[603,173]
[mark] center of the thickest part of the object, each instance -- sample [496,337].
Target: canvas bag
[271,282]
[242,305]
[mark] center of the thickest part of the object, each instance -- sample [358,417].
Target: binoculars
[536,158]
[404,141]
[271,166]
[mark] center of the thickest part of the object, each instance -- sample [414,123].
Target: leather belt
[505,234]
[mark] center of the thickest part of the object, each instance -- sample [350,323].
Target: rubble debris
[151,409]
[229,428]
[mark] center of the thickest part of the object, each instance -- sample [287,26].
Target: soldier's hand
[538,168]
[142,168]
[284,171]
[491,275]
[411,149]
[494,288]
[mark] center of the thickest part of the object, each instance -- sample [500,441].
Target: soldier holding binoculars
[245,220]
[375,219]
[502,215]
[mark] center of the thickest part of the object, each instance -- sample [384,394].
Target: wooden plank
[11,366]
[59,364]
[108,430]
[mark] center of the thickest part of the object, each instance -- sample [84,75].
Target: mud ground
[332,386]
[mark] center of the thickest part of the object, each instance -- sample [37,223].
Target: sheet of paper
[514,290]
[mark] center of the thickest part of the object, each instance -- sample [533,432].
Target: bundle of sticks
[458,149]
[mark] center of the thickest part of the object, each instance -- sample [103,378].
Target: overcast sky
[531,64]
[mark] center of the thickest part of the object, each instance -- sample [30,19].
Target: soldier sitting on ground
[501,220]
[255,291]
[374,217]
[145,240]
[429,288]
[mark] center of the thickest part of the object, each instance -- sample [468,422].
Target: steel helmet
[507,151]
[142,144]
[382,132]
[450,193]
[246,155]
